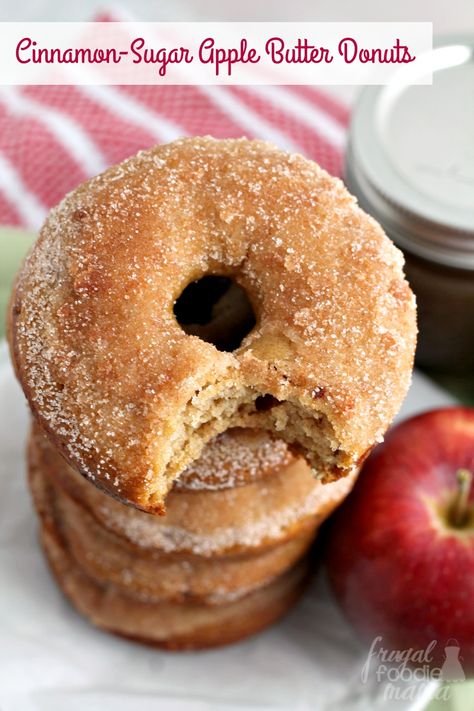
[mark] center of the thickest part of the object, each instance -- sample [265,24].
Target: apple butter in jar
[410,162]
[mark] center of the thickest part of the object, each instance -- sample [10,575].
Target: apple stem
[460,505]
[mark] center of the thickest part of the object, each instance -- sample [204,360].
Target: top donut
[129,397]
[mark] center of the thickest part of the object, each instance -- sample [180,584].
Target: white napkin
[53,660]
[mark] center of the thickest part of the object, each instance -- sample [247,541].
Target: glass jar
[410,162]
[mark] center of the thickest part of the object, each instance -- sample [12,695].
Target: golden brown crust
[242,520]
[153,575]
[128,397]
[168,625]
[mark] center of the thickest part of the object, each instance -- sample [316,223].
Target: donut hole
[217,310]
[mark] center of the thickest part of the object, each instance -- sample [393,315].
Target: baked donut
[167,600]
[235,457]
[172,625]
[129,396]
[154,575]
[238,521]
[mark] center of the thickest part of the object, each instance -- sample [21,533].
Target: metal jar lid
[410,158]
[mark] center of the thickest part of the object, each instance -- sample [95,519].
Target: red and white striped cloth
[54,137]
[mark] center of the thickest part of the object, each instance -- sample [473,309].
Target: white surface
[52,660]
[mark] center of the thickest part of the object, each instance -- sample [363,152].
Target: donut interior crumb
[223,405]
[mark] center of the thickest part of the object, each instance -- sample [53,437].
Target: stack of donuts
[211,337]
[226,560]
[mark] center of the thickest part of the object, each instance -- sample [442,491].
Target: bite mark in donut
[129,397]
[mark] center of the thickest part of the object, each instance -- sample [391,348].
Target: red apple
[401,548]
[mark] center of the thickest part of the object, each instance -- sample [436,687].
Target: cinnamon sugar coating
[129,397]
[243,520]
[171,625]
[235,458]
[153,575]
